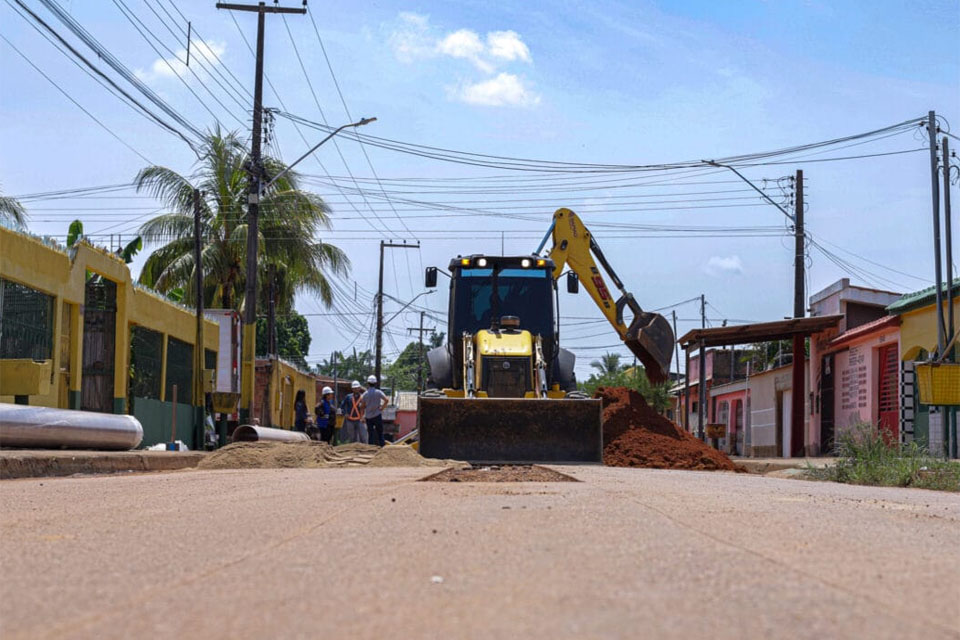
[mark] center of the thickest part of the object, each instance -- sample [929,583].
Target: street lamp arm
[286,170]
[757,189]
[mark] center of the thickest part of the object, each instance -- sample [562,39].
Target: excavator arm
[647,335]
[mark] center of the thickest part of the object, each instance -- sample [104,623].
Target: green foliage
[290,222]
[293,338]
[611,374]
[74,232]
[12,211]
[866,457]
[131,249]
[356,366]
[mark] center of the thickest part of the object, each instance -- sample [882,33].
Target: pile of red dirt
[634,435]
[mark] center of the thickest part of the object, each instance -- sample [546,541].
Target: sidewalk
[767,465]
[34,463]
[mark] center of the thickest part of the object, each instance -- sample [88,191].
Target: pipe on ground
[253,433]
[45,428]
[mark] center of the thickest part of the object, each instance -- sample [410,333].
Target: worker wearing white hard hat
[374,402]
[354,428]
[326,415]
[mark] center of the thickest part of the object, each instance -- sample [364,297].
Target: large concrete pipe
[45,428]
[252,433]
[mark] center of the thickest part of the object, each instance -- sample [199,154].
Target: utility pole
[420,330]
[378,364]
[198,350]
[702,377]
[253,209]
[952,435]
[676,347]
[797,445]
[935,200]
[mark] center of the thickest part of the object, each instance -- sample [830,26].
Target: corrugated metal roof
[921,298]
[865,329]
[758,332]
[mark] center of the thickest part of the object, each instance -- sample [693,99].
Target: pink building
[854,369]
[728,406]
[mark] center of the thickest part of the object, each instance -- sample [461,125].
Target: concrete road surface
[372,553]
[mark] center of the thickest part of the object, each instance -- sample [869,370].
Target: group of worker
[362,412]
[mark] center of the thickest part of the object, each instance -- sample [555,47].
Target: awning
[758,332]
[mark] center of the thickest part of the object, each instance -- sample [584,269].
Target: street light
[359,123]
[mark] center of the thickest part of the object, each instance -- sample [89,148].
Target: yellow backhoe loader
[502,389]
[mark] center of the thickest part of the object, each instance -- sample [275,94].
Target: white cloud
[166,68]
[507,45]
[505,89]
[465,44]
[720,266]
[410,38]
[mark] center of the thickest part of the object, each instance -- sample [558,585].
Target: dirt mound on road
[314,455]
[634,435]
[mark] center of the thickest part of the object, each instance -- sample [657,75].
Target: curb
[41,464]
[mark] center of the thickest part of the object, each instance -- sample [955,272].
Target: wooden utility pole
[676,347]
[420,331]
[798,394]
[253,209]
[378,364]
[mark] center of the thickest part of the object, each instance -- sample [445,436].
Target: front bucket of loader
[650,338]
[508,430]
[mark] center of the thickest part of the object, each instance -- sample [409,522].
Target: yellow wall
[918,329]
[62,274]
[285,381]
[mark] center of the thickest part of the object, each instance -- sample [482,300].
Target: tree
[293,338]
[75,234]
[12,211]
[609,363]
[402,373]
[289,223]
[356,366]
[656,395]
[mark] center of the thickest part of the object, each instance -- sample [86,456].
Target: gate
[889,394]
[99,345]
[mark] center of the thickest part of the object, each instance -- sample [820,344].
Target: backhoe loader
[502,389]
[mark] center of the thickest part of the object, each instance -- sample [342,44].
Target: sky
[606,82]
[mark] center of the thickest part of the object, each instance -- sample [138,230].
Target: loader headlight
[541,262]
[465,262]
[525,263]
[481,262]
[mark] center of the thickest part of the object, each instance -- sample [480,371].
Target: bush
[870,457]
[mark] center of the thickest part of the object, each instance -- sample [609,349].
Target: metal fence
[26,322]
[146,362]
[180,370]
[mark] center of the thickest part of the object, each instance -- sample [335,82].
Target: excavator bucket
[650,338]
[511,430]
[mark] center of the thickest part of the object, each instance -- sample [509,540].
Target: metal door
[99,342]
[888,401]
[826,405]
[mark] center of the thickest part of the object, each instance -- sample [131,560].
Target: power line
[77,104]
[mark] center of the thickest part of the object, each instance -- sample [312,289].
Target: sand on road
[374,553]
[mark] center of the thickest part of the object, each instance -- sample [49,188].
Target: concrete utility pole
[935,200]
[198,350]
[253,209]
[702,377]
[947,224]
[378,363]
[420,331]
[676,347]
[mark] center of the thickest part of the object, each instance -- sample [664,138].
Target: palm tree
[12,211]
[608,364]
[290,221]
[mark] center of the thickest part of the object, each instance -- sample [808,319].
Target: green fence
[146,363]
[179,370]
[157,420]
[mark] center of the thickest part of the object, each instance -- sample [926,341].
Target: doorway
[827,433]
[888,394]
[99,345]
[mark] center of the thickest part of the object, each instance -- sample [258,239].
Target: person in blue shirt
[326,415]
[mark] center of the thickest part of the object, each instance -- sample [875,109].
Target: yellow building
[68,319]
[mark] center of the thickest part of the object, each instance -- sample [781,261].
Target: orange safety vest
[354,413]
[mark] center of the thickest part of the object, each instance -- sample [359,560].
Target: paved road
[371,553]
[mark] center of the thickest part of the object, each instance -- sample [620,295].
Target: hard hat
[371,379]
[326,390]
[355,385]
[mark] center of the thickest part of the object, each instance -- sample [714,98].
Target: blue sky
[602,82]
